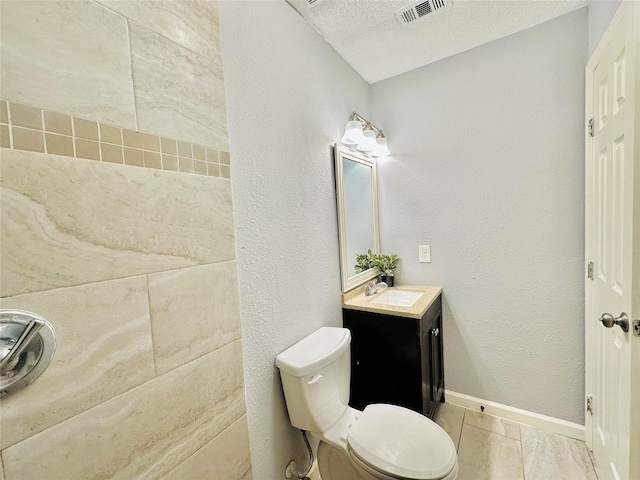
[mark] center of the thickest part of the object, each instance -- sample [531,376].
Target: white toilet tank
[315,374]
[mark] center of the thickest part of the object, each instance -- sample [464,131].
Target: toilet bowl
[383,442]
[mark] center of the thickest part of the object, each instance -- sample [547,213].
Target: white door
[612,353]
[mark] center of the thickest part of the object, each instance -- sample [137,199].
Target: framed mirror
[357,198]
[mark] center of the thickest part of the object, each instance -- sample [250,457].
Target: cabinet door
[385,360]
[437,365]
[432,364]
[428,390]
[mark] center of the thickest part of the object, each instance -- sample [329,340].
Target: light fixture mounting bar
[365,121]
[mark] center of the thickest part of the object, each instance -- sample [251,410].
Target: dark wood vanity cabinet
[397,360]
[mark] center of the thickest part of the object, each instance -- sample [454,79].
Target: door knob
[609,321]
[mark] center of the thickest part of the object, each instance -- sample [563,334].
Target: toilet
[384,442]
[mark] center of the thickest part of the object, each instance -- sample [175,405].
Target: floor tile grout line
[592,459]
[464,414]
[492,431]
[548,439]
[481,427]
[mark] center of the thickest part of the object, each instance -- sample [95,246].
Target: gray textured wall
[289,96]
[487,168]
[601,12]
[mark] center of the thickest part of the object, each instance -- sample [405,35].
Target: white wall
[488,170]
[601,13]
[289,96]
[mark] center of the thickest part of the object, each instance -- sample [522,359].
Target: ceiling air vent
[416,10]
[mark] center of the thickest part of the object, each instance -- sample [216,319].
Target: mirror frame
[340,153]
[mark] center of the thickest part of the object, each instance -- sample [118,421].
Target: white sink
[398,298]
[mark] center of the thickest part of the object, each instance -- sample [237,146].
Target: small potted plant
[387,265]
[365,261]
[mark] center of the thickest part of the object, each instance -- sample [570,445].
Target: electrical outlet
[424,253]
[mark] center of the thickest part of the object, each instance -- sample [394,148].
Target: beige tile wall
[102,329]
[219,458]
[67,221]
[195,110]
[117,226]
[143,432]
[204,292]
[194,25]
[71,57]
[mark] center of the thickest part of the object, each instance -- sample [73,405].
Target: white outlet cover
[424,253]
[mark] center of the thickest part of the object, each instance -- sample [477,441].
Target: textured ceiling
[368,35]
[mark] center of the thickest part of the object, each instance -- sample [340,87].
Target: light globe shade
[381,149]
[368,143]
[353,133]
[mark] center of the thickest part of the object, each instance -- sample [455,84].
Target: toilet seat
[400,443]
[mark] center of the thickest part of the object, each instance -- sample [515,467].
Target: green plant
[386,263]
[365,261]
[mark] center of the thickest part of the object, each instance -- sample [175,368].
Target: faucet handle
[368,288]
[12,357]
[372,287]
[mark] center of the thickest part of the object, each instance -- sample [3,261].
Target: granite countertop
[357,300]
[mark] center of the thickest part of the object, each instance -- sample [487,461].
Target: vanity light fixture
[381,149]
[353,131]
[369,140]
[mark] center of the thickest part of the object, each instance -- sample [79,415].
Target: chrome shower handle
[8,363]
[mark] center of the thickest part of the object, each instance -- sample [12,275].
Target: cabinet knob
[435,332]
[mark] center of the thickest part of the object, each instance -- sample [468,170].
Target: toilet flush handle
[315,379]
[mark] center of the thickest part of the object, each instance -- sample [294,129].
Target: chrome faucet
[372,287]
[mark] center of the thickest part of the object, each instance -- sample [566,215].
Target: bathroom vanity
[396,334]
[396,351]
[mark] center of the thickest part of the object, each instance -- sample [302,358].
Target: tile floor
[494,448]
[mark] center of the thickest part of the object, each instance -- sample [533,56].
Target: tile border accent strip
[24,127]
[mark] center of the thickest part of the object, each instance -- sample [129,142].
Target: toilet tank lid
[315,351]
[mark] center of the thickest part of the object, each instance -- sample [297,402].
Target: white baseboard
[543,422]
